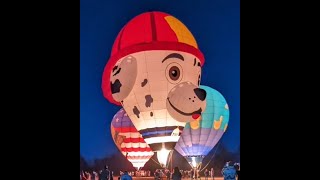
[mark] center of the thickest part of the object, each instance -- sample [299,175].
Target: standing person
[229,172]
[212,173]
[168,174]
[96,176]
[206,174]
[111,175]
[121,173]
[191,174]
[105,174]
[176,175]
[157,175]
[198,173]
[125,176]
[237,167]
[86,176]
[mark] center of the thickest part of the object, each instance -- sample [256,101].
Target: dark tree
[83,164]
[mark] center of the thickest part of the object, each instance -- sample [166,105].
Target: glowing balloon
[129,141]
[199,137]
[154,72]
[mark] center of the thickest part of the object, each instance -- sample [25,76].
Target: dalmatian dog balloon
[154,72]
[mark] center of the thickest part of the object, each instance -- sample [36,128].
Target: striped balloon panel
[129,141]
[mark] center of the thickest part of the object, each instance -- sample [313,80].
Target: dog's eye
[199,80]
[174,73]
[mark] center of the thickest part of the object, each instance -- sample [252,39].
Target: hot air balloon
[154,72]
[129,141]
[199,137]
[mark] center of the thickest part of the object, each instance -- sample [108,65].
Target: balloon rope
[170,159]
[155,161]
[211,157]
[199,167]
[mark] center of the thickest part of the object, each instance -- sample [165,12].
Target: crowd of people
[104,174]
[230,172]
[193,173]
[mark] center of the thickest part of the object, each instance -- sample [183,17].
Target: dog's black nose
[201,94]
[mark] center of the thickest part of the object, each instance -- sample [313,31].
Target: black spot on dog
[149,100]
[136,111]
[115,87]
[117,72]
[145,81]
[199,80]
[199,64]
[151,114]
[114,68]
[194,63]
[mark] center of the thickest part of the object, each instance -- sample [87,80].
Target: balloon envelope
[199,137]
[154,72]
[129,141]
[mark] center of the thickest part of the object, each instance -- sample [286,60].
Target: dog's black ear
[123,77]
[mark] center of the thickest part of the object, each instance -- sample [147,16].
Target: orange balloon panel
[129,141]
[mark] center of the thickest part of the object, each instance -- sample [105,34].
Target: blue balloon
[200,136]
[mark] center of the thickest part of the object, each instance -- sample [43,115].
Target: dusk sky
[215,24]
